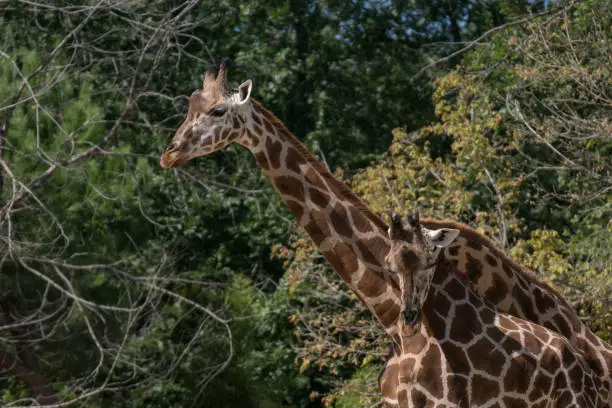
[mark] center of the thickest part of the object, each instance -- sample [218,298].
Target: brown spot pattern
[455,289]
[542,300]
[319,198]
[268,126]
[470,323]
[456,358]
[343,260]
[482,389]
[410,258]
[253,141]
[497,291]
[289,186]
[366,252]
[495,334]
[474,299]
[561,381]
[371,284]
[457,390]
[419,399]
[432,368]
[564,399]
[486,315]
[296,208]
[339,221]
[387,311]
[294,160]
[562,325]
[508,270]
[312,177]
[474,268]
[526,305]
[519,374]
[318,227]
[359,220]
[485,357]
[474,243]
[389,380]
[274,149]
[514,402]
[491,260]
[575,377]
[262,160]
[541,386]
[453,250]
[436,323]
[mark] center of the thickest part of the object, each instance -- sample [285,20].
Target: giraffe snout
[173,156]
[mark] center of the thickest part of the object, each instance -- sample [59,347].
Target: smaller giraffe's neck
[350,237]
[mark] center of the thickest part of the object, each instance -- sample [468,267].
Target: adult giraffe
[352,239]
[456,350]
[348,234]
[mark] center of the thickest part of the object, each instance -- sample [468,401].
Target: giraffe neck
[517,291]
[351,238]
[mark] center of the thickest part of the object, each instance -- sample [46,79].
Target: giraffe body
[463,352]
[515,290]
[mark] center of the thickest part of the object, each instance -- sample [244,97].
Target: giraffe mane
[474,236]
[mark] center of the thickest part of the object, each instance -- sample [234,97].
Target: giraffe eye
[218,111]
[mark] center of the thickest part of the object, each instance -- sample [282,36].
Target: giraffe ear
[442,237]
[244,92]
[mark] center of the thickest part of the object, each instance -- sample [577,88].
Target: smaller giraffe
[459,351]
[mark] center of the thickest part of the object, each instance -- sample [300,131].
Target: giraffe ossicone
[463,352]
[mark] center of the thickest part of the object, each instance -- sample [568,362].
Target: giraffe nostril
[172,147]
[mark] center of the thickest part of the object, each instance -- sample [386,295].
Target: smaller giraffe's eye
[218,111]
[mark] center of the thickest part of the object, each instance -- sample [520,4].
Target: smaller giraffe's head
[216,118]
[416,247]
[414,253]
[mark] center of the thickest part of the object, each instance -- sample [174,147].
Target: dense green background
[124,285]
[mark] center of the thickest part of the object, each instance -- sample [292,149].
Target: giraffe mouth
[171,160]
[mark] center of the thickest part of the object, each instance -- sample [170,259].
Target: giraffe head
[416,247]
[216,118]
[413,254]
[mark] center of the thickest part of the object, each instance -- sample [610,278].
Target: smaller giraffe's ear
[442,237]
[244,92]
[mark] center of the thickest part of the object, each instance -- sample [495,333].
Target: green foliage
[360,391]
[533,93]
[111,257]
